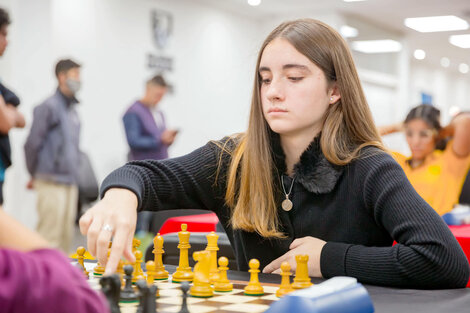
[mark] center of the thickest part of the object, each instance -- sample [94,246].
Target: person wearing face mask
[146,133]
[436,174]
[52,157]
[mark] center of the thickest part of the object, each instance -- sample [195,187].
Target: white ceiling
[386,14]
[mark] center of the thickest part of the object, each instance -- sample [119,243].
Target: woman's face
[421,138]
[294,91]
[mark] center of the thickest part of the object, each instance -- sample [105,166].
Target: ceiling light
[376,46]
[348,31]
[463,68]
[445,62]
[254,2]
[419,54]
[436,23]
[462,41]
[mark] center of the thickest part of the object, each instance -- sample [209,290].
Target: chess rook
[183,271]
[301,279]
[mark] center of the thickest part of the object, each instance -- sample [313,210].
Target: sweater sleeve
[187,182]
[426,255]
[45,281]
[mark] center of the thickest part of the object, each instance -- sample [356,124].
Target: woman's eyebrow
[297,66]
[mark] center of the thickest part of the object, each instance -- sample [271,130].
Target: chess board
[170,299]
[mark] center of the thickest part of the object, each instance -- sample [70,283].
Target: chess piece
[213,248]
[183,271]
[159,271]
[147,302]
[184,290]
[135,244]
[223,284]
[202,285]
[127,294]
[254,287]
[138,272]
[301,279]
[150,277]
[80,259]
[285,286]
[111,287]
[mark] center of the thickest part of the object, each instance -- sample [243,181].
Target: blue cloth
[2,171]
[52,146]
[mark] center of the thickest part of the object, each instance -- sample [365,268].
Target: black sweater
[358,209]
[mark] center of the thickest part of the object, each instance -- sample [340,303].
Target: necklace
[287,204]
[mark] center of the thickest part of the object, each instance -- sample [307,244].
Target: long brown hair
[347,127]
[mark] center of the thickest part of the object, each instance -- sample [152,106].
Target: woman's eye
[296,79]
[265,81]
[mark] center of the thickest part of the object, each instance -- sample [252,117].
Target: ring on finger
[107,227]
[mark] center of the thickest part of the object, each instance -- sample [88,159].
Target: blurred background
[207,49]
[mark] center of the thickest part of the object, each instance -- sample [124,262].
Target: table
[462,234]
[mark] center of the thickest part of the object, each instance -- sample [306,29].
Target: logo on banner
[162,28]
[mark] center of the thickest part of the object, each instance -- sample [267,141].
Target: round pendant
[286,205]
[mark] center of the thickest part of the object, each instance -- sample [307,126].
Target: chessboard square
[245,307]
[192,308]
[271,297]
[170,292]
[231,299]
[178,300]
[162,286]
[270,289]
[232,292]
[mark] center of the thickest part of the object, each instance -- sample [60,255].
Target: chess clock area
[212,287]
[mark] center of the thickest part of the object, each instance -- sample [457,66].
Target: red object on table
[196,223]
[462,234]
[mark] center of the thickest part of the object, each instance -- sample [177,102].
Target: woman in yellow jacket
[437,175]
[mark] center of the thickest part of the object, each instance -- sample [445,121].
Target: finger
[278,271]
[85,222]
[119,243]
[297,242]
[102,246]
[92,234]
[276,264]
[128,254]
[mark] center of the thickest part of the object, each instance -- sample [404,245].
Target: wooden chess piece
[285,286]
[150,277]
[254,287]
[159,269]
[111,287]
[301,279]
[184,290]
[223,284]
[212,247]
[135,244]
[80,259]
[128,294]
[202,285]
[183,271]
[138,272]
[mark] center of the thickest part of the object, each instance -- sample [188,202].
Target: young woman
[437,175]
[309,176]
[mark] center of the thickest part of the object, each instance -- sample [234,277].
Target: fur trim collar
[313,171]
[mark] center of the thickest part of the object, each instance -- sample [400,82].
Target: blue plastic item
[458,216]
[336,295]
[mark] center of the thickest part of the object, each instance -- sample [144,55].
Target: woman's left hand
[307,245]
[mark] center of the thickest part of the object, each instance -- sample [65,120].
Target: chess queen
[310,176]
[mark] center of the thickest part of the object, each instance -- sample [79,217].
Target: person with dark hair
[146,133]
[52,157]
[310,176]
[10,117]
[440,156]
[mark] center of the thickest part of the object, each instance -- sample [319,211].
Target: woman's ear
[334,94]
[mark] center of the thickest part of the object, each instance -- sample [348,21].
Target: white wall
[214,53]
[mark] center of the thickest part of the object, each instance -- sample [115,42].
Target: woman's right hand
[114,216]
